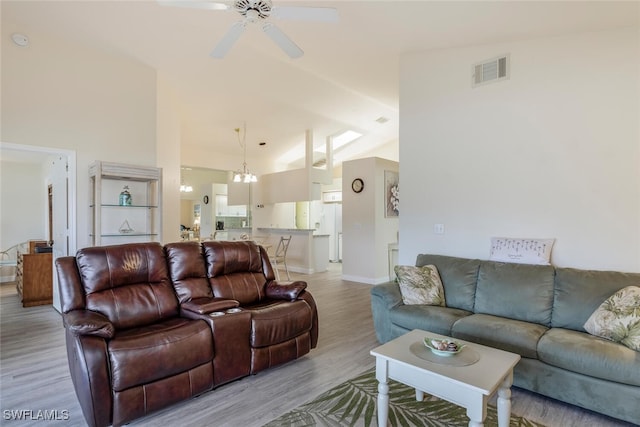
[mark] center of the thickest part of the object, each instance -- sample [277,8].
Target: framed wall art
[391,194]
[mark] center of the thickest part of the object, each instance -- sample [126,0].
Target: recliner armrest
[285,290]
[209,305]
[86,322]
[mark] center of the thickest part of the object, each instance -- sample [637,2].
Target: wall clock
[205,199]
[357,185]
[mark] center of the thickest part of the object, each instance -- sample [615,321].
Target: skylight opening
[345,138]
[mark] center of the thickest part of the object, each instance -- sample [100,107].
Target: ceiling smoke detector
[20,39]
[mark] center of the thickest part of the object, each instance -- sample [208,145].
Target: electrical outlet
[438,228]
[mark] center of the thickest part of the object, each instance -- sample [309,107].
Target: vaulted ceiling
[347,78]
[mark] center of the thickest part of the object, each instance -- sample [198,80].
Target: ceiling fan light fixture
[258,12]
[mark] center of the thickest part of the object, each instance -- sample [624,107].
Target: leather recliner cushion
[247,288]
[142,355]
[279,322]
[129,283]
[187,270]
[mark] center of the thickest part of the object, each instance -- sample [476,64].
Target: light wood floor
[34,374]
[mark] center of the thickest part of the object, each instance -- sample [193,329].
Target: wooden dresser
[34,275]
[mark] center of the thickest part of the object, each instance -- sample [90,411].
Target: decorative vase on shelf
[125,197]
[125,228]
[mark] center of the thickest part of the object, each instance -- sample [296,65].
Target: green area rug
[353,403]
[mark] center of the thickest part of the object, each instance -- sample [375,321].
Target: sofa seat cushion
[506,334]
[426,317]
[278,322]
[588,355]
[143,355]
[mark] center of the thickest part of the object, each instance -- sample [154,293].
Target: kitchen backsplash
[232,221]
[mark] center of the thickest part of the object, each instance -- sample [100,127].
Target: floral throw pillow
[420,285]
[618,318]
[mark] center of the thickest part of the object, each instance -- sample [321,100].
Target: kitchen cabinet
[118,217]
[332,196]
[223,209]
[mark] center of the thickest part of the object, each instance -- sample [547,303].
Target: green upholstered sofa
[537,311]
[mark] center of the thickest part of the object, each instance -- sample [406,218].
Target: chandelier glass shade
[243,175]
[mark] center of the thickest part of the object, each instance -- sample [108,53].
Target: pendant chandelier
[185,188]
[243,175]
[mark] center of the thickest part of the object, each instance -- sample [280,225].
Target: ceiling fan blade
[228,40]
[195,4]
[302,13]
[282,40]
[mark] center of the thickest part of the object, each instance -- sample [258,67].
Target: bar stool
[281,256]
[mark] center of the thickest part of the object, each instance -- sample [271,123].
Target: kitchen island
[308,252]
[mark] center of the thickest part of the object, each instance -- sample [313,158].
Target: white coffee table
[470,386]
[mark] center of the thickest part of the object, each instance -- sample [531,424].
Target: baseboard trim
[367,280]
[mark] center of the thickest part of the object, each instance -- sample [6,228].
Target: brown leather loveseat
[148,326]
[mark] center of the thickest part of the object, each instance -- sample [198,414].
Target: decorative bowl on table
[443,347]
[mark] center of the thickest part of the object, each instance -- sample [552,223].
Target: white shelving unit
[113,223]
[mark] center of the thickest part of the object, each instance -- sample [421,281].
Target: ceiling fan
[258,12]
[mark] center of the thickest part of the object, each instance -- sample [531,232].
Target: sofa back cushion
[129,284]
[517,291]
[578,293]
[458,276]
[188,271]
[235,270]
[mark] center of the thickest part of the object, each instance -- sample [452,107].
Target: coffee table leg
[419,395]
[504,401]
[383,404]
[382,375]
[477,412]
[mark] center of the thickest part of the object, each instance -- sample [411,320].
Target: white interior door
[59,177]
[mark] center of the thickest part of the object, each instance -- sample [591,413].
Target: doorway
[58,186]
[50,213]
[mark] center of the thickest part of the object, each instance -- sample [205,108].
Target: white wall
[275,215]
[389,151]
[23,209]
[168,158]
[552,152]
[366,233]
[64,95]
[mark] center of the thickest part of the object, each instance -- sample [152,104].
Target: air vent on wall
[490,71]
